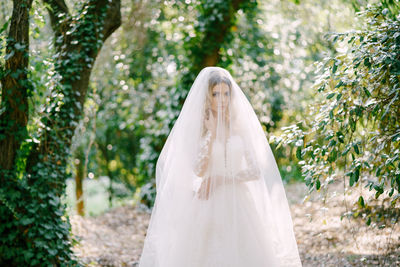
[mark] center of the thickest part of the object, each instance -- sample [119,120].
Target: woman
[220,199]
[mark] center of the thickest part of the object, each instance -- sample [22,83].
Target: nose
[225,99]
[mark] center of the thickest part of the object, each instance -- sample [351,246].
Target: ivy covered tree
[34,228]
[353,131]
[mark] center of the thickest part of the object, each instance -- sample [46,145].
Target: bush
[354,132]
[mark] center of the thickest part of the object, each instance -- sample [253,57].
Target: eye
[214,93]
[227,93]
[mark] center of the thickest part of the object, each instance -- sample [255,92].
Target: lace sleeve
[252,172]
[203,155]
[201,163]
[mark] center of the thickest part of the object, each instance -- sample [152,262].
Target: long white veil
[220,199]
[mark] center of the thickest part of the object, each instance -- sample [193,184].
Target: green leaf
[367,63]
[355,146]
[26,221]
[361,201]
[340,136]
[351,181]
[366,91]
[332,156]
[19,47]
[346,150]
[332,143]
[340,83]
[352,123]
[378,171]
[396,137]
[391,192]
[356,175]
[4,27]
[8,56]
[28,255]
[330,95]
[59,235]
[298,153]
[52,252]
[334,68]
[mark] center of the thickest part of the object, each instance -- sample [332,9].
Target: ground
[115,238]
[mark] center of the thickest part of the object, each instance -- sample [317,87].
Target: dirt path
[116,237]
[325,240]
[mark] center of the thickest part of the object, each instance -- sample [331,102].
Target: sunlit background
[132,102]
[322,77]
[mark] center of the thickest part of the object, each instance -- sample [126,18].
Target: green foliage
[355,128]
[269,59]
[108,125]
[281,91]
[161,111]
[132,87]
[253,45]
[143,75]
[35,230]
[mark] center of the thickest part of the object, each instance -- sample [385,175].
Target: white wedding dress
[219,243]
[245,220]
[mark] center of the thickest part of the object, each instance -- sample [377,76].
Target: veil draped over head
[220,199]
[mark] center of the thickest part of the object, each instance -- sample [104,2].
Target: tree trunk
[34,230]
[15,85]
[110,189]
[79,176]
[104,151]
[205,47]
[77,45]
[214,37]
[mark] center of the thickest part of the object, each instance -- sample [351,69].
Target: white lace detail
[251,172]
[203,154]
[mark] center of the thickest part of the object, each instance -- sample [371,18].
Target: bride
[220,200]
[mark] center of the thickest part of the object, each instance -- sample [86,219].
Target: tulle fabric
[242,217]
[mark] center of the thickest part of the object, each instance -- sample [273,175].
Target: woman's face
[220,96]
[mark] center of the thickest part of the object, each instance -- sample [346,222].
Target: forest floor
[115,238]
